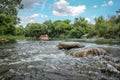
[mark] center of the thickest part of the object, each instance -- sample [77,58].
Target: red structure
[44,37]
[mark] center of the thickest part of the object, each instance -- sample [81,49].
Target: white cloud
[43,16]
[94,16]
[33,16]
[37,16]
[30,3]
[95,6]
[31,21]
[110,3]
[104,4]
[62,8]
[87,19]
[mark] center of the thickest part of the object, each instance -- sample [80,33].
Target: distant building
[44,37]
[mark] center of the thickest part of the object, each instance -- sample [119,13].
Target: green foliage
[101,26]
[50,28]
[91,30]
[58,29]
[64,29]
[14,37]
[6,25]
[81,22]
[10,7]
[33,30]
[19,30]
[8,16]
[76,32]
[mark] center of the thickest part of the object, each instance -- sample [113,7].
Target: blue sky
[37,11]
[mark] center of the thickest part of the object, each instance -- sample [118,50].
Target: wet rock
[3,70]
[3,40]
[112,68]
[107,58]
[69,45]
[118,68]
[113,51]
[103,78]
[94,51]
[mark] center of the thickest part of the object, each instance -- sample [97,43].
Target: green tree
[50,28]
[20,30]
[76,32]
[101,26]
[8,15]
[33,30]
[82,23]
[7,25]
[62,28]
[114,29]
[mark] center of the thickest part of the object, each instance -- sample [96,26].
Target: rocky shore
[105,59]
[5,40]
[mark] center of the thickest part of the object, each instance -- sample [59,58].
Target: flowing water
[42,60]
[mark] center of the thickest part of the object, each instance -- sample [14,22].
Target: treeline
[109,28]
[64,29]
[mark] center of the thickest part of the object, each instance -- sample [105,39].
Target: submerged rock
[94,51]
[69,45]
[118,68]
[4,70]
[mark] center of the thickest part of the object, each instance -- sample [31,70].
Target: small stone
[118,68]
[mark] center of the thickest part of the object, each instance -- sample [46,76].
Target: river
[42,60]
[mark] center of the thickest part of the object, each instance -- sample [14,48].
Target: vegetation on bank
[62,29]
[97,41]
[8,19]
[108,29]
[12,39]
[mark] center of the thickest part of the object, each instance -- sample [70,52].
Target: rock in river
[94,51]
[118,68]
[69,45]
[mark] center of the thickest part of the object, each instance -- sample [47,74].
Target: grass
[12,39]
[97,41]
[108,42]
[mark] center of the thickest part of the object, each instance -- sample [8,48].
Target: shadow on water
[42,60]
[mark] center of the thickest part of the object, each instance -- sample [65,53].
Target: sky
[38,11]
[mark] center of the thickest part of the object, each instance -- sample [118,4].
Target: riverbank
[97,41]
[12,39]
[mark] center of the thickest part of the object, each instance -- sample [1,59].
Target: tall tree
[33,30]
[101,26]
[8,15]
[50,28]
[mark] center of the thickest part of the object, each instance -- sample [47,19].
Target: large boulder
[94,51]
[69,45]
